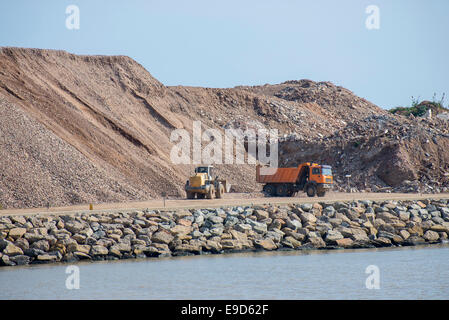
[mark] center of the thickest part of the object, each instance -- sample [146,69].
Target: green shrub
[418,109]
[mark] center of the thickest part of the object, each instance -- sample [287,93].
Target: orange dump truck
[312,178]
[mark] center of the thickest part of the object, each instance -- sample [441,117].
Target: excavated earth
[88,129]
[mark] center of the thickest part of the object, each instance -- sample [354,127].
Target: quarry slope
[80,129]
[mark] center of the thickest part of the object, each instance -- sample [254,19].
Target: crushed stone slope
[79,129]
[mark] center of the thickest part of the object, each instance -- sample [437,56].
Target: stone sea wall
[152,233]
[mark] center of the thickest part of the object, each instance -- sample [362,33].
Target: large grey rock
[41,245]
[243,227]
[162,237]
[274,235]
[306,206]
[329,211]
[333,235]
[316,242]
[261,214]
[259,227]
[16,233]
[20,260]
[98,250]
[215,219]
[307,217]
[217,231]
[266,244]
[431,236]
[231,221]
[12,250]
[74,226]
[293,224]
[6,261]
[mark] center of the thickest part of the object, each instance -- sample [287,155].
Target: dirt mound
[78,129]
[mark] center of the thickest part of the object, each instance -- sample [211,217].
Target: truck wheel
[311,190]
[190,195]
[211,193]
[220,191]
[281,190]
[321,194]
[269,190]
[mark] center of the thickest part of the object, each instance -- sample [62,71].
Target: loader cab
[206,169]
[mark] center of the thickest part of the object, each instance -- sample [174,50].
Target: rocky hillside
[78,129]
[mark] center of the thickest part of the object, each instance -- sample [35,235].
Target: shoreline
[340,225]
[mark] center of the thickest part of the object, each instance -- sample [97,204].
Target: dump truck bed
[277,175]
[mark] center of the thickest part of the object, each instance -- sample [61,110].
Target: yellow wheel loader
[203,185]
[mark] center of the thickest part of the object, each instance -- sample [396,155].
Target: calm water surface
[405,273]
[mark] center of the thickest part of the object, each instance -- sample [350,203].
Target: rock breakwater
[153,233]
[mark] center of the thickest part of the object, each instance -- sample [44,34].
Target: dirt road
[234,199]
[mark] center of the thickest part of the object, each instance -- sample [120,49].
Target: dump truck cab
[319,181]
[312,178]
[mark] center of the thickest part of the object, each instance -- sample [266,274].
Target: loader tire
[211,193]
[190,195]
[220,192]
[200,195]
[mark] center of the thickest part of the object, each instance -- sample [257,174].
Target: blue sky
[229,43]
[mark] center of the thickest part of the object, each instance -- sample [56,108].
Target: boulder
[238,235]
[181,214]
[293,224]
[261,214]
[243,227]
[46,258]
[18,219]
[383,242]
[74,226]
[316,242]
[333,235]
[162,237]
[22,243]
[6,261]
[98,250]
[345,242]
[404,234]
[291,242]
[213,246]
[307,217]
[231,244]
[414,240]
[41,245]
[180,230]
[20,259]
[12,250]
[431,236]
[16,233]
[416,230]
[266,244]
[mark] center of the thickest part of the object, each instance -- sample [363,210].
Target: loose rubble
[152,233]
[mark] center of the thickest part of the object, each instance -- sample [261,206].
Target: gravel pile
[79,129]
